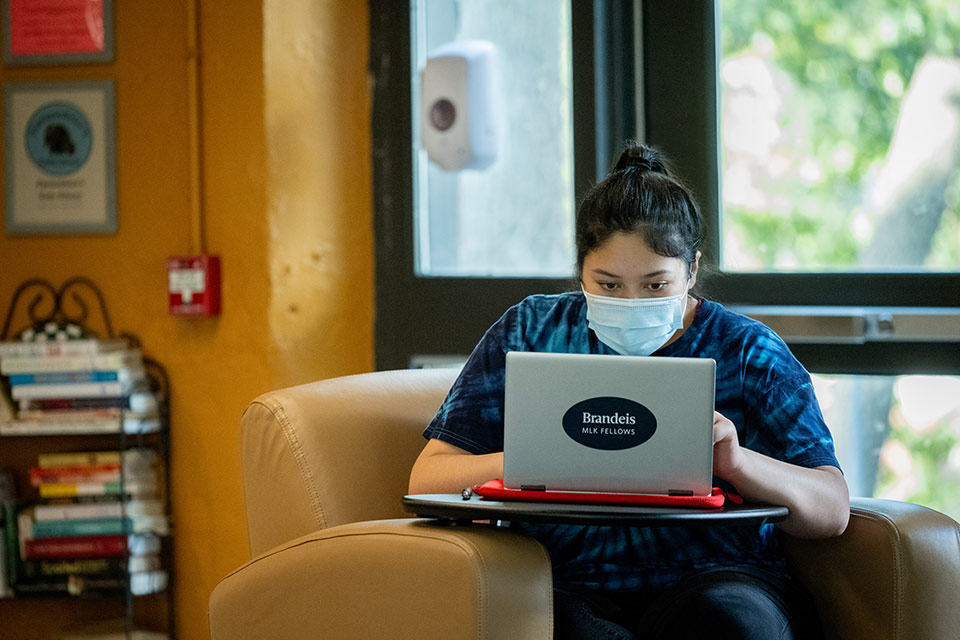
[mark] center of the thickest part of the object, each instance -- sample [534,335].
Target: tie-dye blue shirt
[761,388]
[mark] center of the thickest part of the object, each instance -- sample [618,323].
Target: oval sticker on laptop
[609,423]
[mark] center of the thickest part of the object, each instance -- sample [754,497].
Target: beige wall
[285,152]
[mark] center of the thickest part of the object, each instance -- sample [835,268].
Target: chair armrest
[894,574]
[390,579]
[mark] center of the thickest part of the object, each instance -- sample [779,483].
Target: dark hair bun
[640,157]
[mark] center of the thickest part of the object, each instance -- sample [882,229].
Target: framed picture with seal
[60,154]
[39,32]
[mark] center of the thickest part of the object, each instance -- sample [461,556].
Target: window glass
[897,437]
[515,217]
[840,135]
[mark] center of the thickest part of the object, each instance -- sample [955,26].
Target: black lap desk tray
[453,507]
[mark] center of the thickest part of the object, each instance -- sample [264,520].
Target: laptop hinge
[533,487]
[680,492]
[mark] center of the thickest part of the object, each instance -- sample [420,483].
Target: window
[897,437]
[788,134]
[494,236]
[514,217]
[840,136]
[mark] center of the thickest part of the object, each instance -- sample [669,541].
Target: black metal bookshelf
[77,309]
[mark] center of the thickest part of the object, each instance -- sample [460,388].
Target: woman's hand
[818,499]
[727,454]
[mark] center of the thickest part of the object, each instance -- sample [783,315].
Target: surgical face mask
[635,326]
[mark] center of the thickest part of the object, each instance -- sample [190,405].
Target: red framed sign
[57,31]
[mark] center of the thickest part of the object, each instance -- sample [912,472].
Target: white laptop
[611,424]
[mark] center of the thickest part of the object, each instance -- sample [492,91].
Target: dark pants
[718,604]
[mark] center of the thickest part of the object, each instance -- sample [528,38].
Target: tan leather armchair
[335,556]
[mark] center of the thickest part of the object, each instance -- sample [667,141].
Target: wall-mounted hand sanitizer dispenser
[459,105]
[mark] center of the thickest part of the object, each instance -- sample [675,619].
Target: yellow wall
[287,206]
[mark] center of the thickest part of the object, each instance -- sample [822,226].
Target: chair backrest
[335,451]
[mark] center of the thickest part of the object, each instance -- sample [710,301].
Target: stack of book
[75,386]
[98,525]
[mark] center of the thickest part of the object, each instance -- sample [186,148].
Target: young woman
[638,239]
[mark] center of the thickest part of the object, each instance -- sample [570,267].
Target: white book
[143,545]
[76,427]
[69,390]
[159,525]
[139,564]
[82,510]
[92,362]
[83,346]
[147,582]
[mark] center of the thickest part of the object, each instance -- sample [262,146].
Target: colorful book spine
[81,477]
[70,404]
[81,527]
[90,547]
[115,565]
[70,490]
[148,524]
[64,377]
[79,566]
[141,583]
[39,475]
[78,458]
[75,547]
[129,487]
[68,500]
[70,586]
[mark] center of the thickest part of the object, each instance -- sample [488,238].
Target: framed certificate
[57,31]
[60,158]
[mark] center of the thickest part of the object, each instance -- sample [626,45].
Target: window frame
[679,40]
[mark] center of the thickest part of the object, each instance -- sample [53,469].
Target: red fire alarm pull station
[194,285]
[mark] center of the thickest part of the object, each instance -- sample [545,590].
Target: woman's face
[625,267]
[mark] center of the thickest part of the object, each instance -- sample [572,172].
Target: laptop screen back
[622,424]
